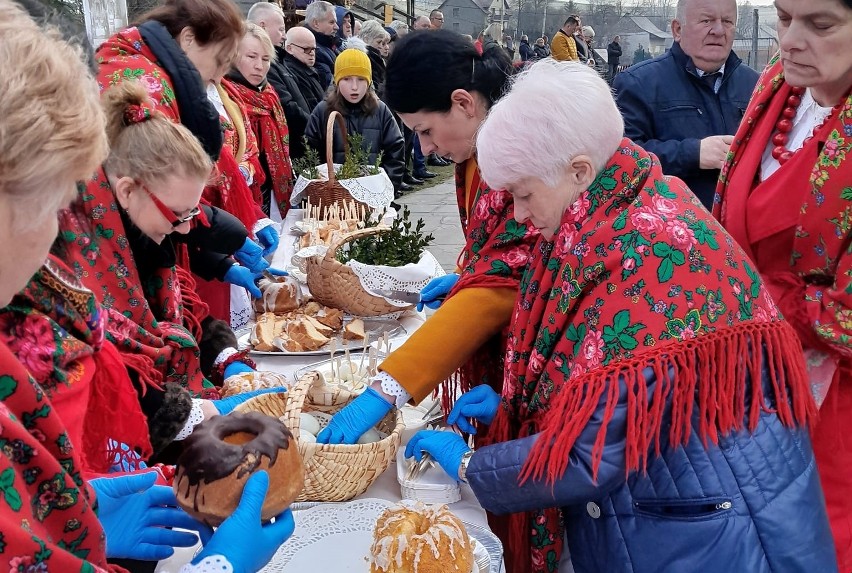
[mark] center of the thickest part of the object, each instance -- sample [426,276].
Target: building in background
[103,18]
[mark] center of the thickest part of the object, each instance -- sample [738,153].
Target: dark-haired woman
[784,196]
[177,51]
[442,89]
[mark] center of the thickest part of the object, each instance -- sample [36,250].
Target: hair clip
[135,113]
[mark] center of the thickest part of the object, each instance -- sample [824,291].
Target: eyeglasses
[170,215]
[308,51]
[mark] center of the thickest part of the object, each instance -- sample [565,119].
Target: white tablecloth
[386,487]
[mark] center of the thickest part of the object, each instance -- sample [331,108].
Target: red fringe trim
[195,310]
[711,366]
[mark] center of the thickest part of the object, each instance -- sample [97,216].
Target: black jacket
[326,55]
[380,132]
[525,50]
[582,48]
[298,87]
[668,110]
[541,52]
[377,64]
[613,53]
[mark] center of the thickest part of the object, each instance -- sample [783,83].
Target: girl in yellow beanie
[352,95]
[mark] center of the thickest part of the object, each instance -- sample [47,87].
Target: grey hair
[260,10]
[355,43]
[318,9]
[680,11]
[371,31]
[397,25]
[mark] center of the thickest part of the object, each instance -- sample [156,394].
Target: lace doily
[393,388]
[212,564]
[410,278]
[196,416]
[374,190]
[224,355]
[241,310]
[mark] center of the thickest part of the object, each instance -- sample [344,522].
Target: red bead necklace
[785,125]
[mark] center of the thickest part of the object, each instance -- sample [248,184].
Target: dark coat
[525,50]
[541,52]
[751,504]
[613,53]
[668,110]
[377,65]
[380,132]
[326,55]
[582,48]
[298,87]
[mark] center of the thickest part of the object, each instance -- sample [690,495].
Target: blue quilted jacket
[752,504]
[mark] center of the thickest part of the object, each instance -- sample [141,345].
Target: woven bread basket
[336,285]
[325,195]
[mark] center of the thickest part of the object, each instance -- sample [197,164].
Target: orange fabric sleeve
[449,338]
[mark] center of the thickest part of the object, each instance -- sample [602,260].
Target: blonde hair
[372,31]
[151,149]
[261,36]
[52,125]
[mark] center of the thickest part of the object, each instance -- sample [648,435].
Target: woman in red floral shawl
[179,51]
[785,196]
[247,84]
[653,393]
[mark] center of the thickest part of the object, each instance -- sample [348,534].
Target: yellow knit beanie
[352,62]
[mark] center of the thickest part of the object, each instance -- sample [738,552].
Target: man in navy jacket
[685,106]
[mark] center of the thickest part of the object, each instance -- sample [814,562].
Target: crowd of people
[648,332]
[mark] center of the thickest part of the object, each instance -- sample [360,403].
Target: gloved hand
[481,404]
[241,276]
[447,448]
[241,539]
[251,255]
[135,514]
[236,368]
[227,405]
[433,294]
[351,422]
[269,238]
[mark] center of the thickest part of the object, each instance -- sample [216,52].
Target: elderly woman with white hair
[652,390]
[378,48]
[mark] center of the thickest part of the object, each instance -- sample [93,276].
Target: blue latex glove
[241,276]
[481,404]
[241,539]
[433,294]
[447,448]
[227,405]
[269,238]
[351,422]
[250,255]
[236,368]
[135,514]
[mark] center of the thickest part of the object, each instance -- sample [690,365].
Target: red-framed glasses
[170,215]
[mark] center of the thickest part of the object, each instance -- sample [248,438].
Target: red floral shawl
[815,291]
[639,275]
[56,329]
[47,517]
[155,324]
[266,119]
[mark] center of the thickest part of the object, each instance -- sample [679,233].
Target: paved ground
[436,205]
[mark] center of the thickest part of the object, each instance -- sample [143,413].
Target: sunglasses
[170,215]
[307,51]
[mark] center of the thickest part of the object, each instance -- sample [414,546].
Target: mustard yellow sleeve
[563,48]
[449,338]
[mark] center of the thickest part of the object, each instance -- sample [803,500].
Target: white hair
[355,43]
[372,31]
[317,10]
[399,25]
[680,11]
[528,135]
[261,10]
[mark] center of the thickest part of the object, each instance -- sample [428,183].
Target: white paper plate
[336,537]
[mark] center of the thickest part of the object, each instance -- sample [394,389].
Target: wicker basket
[334,284]
[331,194]
[333,472]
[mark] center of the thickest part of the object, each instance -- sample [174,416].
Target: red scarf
[639,275]
[47,517]
[266,119]
[154,325]
[56,329]
[814,287]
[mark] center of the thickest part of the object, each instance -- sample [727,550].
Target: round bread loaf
[281,295]
[220,455]
[420,539]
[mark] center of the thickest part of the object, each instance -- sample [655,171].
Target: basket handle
[329,142]
[348,237]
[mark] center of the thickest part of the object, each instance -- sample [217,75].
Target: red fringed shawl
[266,119]
[151,323]
[56,329]
[640,275]
[47,520]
